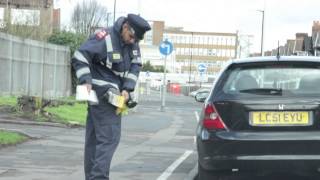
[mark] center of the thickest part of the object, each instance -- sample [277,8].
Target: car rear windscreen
[273,79]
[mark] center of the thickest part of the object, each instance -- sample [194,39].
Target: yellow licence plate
[284,118]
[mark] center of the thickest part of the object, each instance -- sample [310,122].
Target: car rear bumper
[260,151]
[262,165]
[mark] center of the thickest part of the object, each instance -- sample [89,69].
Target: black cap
[139,25]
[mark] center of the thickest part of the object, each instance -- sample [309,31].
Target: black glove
[131,103]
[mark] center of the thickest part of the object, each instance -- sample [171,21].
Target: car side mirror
[201,96]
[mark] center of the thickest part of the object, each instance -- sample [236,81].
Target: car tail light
[212,120]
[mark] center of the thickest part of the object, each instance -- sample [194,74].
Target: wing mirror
[201,96]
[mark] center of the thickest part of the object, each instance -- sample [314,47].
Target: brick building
[302,44]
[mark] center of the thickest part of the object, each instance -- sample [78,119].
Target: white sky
[283,18]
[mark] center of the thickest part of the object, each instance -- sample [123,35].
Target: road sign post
[202,68]
[166,49]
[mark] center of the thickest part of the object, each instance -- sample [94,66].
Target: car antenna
[278,52]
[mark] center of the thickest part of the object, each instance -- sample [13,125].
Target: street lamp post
[262,32]
[190,64]
[114,10]
[191,53]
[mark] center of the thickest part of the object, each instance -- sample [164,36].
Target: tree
[72,40]
[147,67]
[65,38]
[87,15]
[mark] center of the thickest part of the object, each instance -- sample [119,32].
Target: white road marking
[197,116]
[174,165]
[194,139]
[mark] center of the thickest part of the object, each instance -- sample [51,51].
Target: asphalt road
[154,145]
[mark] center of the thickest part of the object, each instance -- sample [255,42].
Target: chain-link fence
[34,68]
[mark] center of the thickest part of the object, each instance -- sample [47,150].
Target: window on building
[148,37]
[182,39]
[174,39]
[218,41]
[186,51]
[225,53]
[194,51]
[222,42]
[205,52]
[1,13]
[195,40]
[200,52]
[214,52]
[25,17]
[218,52]
[2,24]
[212,40]
[232,41]
[233,53]
[203,40]
[178,51]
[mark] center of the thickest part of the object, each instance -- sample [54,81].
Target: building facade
[193,48]
[302,45]
[34,18]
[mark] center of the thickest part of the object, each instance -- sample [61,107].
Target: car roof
[274,59]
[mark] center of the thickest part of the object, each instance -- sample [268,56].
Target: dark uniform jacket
[105,61]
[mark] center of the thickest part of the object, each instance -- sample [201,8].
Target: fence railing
[34,68]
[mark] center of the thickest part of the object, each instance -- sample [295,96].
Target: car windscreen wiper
[263,91]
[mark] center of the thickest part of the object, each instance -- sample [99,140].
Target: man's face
[127,34]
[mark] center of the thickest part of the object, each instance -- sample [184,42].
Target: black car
[262,115]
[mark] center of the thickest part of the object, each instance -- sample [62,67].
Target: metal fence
[34,68]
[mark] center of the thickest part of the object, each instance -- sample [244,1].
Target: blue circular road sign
[166,47]
[202,68]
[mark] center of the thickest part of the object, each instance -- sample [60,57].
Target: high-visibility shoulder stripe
[99,82]
[132,77]
[80,57]
[82,71]
[121,74]
[109,43]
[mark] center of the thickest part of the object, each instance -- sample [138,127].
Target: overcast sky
[283,18]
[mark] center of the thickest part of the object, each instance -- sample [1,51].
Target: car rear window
[273,79]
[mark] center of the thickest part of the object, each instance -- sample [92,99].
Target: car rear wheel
[208,175]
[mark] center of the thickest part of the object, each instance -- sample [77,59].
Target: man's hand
[125,94]
[89,87]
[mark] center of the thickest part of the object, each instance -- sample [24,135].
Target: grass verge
[8,101]
[11,138]
[69,114]
[66,111]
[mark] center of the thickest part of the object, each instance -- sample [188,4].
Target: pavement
[154,145]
